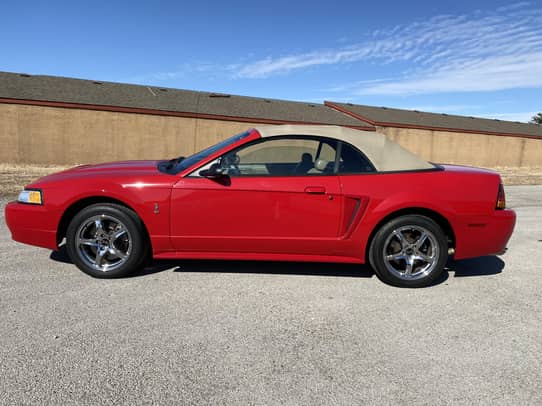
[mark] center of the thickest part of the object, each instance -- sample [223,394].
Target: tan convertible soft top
[385,154]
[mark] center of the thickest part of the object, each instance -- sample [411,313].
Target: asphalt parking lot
[198,332]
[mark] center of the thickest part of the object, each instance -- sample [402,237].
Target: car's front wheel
[106,241]
[409,251]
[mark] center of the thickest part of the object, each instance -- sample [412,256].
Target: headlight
[30,197]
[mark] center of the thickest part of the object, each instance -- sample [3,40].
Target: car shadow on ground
[277,268]
[482,266]
[228,266]
[60,256]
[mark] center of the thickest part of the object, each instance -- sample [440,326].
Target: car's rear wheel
[409,251]
[106,241]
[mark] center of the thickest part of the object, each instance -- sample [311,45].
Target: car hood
[142,171]
[116,166]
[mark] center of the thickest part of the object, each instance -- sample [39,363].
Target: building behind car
[65,121]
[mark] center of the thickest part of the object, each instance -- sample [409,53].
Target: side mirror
[214,172]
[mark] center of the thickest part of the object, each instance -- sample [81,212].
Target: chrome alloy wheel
[411,252]
[103,242]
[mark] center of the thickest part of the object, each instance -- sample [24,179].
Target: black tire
[107,241]
[409,251]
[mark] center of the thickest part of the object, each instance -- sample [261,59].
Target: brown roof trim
[136,110]
[422,127]
[348,112]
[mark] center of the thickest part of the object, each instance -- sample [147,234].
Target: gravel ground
[199,332]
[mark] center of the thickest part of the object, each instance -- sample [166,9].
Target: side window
[296,156]
[352,161]
[327,152]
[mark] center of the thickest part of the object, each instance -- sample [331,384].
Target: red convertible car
[288,193]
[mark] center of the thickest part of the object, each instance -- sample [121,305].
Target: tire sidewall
[132,223]
[377,246]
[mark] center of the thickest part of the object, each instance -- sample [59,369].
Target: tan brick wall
[61,136]
[468,149]
[9,134]
[49,135]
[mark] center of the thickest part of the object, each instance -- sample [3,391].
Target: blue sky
[480,58]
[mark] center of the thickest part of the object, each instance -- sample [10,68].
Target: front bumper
[485,236]
[32,224]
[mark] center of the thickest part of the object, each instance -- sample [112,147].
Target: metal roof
[70,92]
[98,93]
[412,118]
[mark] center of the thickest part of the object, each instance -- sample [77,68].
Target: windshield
[185,163]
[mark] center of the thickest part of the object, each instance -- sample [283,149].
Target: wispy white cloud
[184,71]
[523,117]
[515,6]
[271,66]
[482,51]
[491,73]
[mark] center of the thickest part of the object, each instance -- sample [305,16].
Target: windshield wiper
[169,165]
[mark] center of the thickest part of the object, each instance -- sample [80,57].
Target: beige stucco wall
[61,136]
[47,135]
[468,149]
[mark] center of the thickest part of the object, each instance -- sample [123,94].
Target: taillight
[501,201]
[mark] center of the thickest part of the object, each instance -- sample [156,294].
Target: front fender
[150,203]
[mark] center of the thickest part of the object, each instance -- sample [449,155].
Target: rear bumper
[487,236]
[32,224]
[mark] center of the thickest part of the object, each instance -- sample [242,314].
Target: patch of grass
[14,177]
[524,175]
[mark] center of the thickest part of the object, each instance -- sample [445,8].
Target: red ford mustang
[292,193]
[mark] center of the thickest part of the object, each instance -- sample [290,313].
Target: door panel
[296,214]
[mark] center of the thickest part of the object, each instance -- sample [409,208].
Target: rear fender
[394,204]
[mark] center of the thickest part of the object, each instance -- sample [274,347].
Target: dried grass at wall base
[14,177]
[520,176]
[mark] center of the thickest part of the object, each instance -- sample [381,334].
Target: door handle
[315,190]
